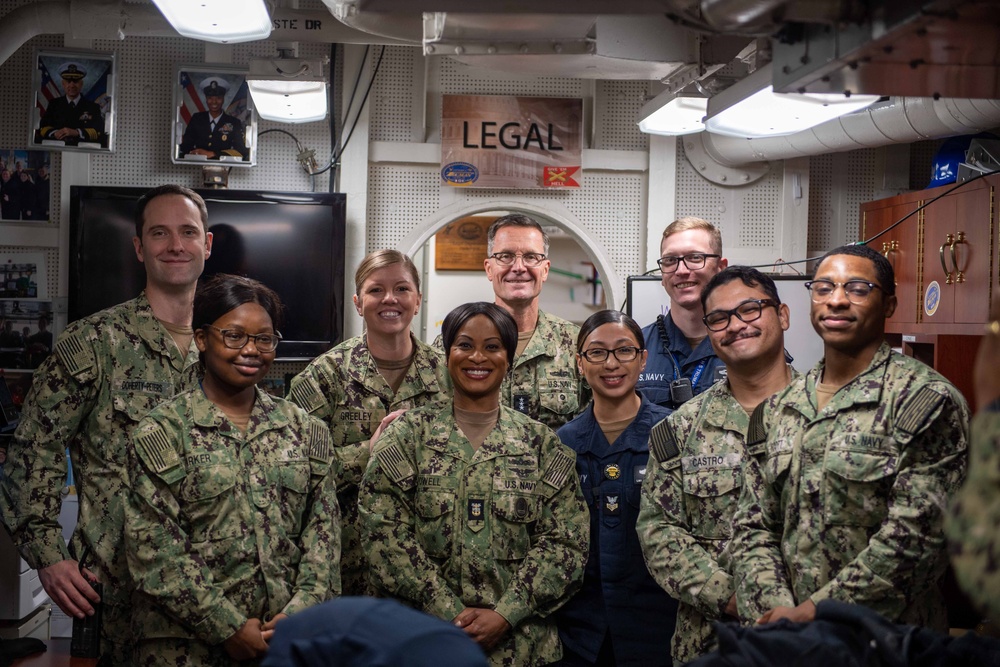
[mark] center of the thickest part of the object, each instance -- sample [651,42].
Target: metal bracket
[720,174]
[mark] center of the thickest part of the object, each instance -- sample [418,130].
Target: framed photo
[214,117]
[26,334]
[73,105]
[24,185]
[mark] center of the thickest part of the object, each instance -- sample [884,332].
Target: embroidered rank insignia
[918,410]
[558,470]
[396,466]
[612,506]
[520,508]
[306,395]
[612,471]
[663,443]
[75,354]
[155,449]
[475,509]
[522,403]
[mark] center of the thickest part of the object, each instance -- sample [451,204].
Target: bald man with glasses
[861,457]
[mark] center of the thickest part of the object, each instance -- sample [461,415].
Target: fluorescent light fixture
[673,114]
[222,21]
[750,108]
[288,90]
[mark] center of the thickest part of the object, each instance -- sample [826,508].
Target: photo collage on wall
[24,185]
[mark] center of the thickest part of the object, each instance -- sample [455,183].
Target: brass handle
[949,242]
[954,257]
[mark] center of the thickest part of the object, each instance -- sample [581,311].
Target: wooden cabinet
[900,245]
[946,262]
[944,256]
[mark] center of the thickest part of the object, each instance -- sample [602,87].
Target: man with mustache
[701,455]
[681,361]
[861,457]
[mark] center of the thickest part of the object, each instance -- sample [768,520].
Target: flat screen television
[293,242]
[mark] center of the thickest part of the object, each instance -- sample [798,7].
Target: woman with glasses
[232,520]
[359,382]
[471,510]
[621,616]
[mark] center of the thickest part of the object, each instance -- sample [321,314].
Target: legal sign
[494,141]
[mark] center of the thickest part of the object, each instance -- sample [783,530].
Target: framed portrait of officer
[73,103]
[214,117]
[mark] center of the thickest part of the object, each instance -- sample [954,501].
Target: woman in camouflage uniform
[471,510]
[232,521]
[357,383]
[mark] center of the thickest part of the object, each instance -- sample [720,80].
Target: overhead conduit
[903,120]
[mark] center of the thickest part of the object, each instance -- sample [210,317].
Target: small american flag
[190,102]
[49,90]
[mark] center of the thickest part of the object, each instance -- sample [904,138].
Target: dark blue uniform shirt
[618,595]
[671,357]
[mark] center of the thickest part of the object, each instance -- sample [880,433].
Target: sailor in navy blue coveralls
[619,603]
[671,358]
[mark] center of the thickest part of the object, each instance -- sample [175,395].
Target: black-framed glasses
[748,311]
[857,291]
[598,355]
[235,339]
[692,260]
[531,259]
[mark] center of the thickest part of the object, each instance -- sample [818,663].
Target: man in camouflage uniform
[975,514]
[544,383]
[503,527]
[105,373]
[861,457]
[343,387]
[223,527]
[700,458]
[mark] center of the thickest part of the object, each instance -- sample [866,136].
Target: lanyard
[695,375]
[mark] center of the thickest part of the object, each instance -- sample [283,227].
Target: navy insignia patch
[475,509]
[612,471]
[522,403]
[612,505]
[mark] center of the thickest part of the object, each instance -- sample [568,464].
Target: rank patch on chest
[522,403]
[475,509]
[612,471]
[611,505]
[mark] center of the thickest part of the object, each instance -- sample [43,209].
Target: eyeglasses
[748,311]
[531,259]
[693,261]
[857,290]
[235,339]
[598,355]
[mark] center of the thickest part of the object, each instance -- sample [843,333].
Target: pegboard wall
[399,196]
[820,202]
[921,162]
[616,110]
[838,184]
[745,215]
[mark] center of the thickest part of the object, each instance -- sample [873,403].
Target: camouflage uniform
[223,526]
[853,495]
[697,465]
[503,527]
[344,388]
[975,515]
[105,373]
[545,383]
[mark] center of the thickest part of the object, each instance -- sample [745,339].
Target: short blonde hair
[691,222]
[379,259]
